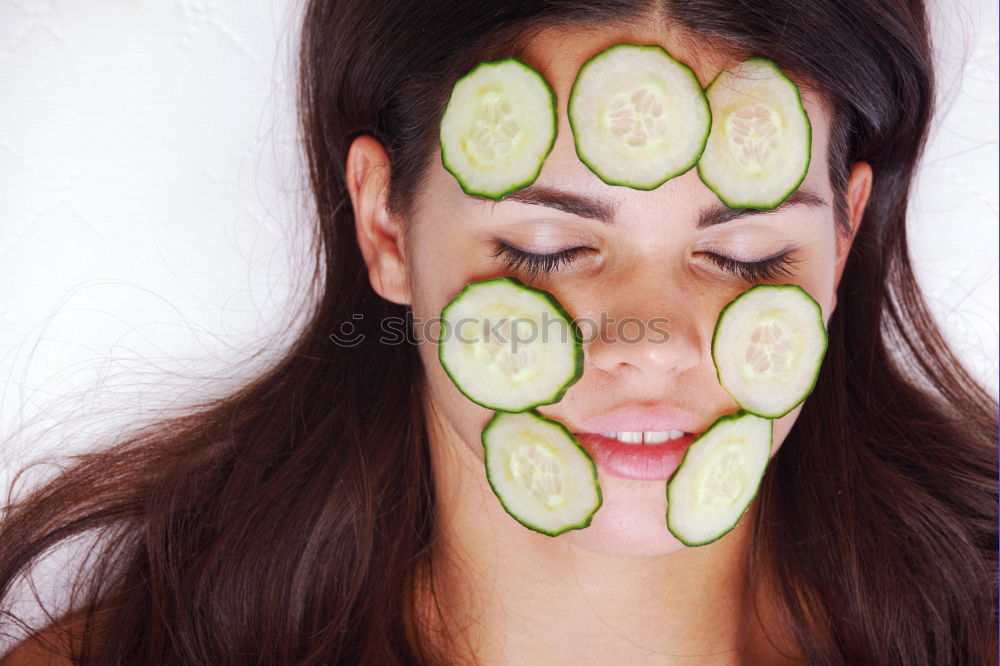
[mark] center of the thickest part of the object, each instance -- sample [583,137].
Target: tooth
[656,437]
[609,435]
[676,434]
[630,437]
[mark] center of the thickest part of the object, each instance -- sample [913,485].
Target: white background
[153,214]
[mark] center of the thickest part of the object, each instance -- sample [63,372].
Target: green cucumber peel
[581,133]
[463,170]
[506,489]
[720,356]
[474,391]
[676,509]
[717,186]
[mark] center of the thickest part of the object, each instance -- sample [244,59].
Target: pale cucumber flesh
[768,346]
[508,346]
[759,148]
[542,476]
[717,479]
[498,128]
[639,117]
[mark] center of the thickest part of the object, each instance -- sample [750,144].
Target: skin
[623,589]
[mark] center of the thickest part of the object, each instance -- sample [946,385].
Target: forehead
[559,52]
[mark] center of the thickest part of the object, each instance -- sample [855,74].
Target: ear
[859,188]
[379,234]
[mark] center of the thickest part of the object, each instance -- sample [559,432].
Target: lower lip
[640,462]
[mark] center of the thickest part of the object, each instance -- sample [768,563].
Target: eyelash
[763,270]
[531,264]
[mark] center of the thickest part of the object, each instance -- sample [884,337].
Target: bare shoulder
[49,647]
[35,652]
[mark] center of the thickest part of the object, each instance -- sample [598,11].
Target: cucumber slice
[718,477]
[639,117]
[759,148]
[768,346]
[508,346]
[498,128]
[542,476]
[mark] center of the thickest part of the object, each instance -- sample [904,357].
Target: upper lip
[636,418]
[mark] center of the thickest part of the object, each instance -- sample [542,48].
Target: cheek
[782,427]
[441,260]
[457,420]
[818,277]
[819,271]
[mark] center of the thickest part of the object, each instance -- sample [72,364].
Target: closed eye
[763,270]
[533,264]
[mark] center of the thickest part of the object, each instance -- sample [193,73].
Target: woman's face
[648,265]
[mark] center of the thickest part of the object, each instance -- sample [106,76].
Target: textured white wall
[955,222]
[151,206]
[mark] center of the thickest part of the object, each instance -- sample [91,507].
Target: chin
[631,521]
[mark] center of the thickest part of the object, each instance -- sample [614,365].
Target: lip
[639,462]
[638,418]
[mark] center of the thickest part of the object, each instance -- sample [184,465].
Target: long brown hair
[285,523]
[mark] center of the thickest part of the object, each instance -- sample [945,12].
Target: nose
[651,331]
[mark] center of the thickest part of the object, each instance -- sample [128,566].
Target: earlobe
[379,235]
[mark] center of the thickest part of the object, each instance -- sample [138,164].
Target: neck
[505,594]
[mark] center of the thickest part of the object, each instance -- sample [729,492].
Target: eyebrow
[604,211]
[574,204]
[720,213]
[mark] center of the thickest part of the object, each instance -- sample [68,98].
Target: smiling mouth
[637,455]
[645,437]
